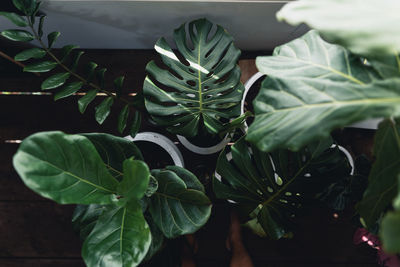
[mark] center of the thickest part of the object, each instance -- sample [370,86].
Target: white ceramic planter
[204,150]
[253,79]
[163,142]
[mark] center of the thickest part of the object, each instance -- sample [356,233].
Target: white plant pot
[163,142]
[253,79]
[204,150]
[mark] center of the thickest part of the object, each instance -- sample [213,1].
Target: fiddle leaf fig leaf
[66,51]
[85,218]
[30,53]
[43,66]
[204,88]
[52,37]
[55,81]
[136,122]
[313,87]
[64,168]
[382,180]
[14,18]
[371,30]
[274,185]
[18,35]
[85,100]
[123,118]
[121,237]
[104,109]
[179,206]
[152,188]
[136,179]
[68,90]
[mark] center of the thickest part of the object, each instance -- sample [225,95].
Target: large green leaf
[313,87]
[382,180]
[203,89]
[136,179]
[85,218]
[65,168]
[179,206]
[273,185]
[363,26]
[121,237]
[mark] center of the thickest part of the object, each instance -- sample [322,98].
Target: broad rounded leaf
[372,29]
[135,180]
[104,109]
[18,35]
[65,168]
[30,53]
[68,90]
[55,81]
[121,237]
[44,66]
[85,218]
[313,87]
[179,206]
[14,18]
[203,89]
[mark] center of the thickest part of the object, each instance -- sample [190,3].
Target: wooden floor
[38,232]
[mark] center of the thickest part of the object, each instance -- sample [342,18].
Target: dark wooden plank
[40,262]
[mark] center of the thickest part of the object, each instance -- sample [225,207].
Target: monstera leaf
[313,87]
[179,206]
[273,185]
[197,86]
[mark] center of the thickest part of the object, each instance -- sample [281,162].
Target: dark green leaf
[55,81]
[313,87]
[121,237]
[30,53]
[35,11]
[157,238]
[382,180]
[68,90]
[26,6]
[76,60]
[118,82]
[65,168]
[390,232]
[52,37]
[14,18]
[85,218]
[66,50]
[91,66]
[100,77]
[136,123]
[43,66]
[198,95]
[179,206]
[122,118]
[269,225]
[85,100]
[388,66]
[104,109]
[135,180]
[40,27]
[152,188]
[18,35]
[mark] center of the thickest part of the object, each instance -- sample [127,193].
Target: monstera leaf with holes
[272,186]
[313,87]
[199,85]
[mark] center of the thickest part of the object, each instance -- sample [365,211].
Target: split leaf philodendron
[107,174]
[199,87]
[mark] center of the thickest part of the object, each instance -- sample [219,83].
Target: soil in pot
[154,155]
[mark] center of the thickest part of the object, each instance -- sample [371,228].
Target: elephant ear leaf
[274,185]
[198,86]
[65,168]
[121,237]
[179,206]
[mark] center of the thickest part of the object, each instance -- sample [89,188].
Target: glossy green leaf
[18,35]
[274,185]
[157,238]
[390,232]
[85,100]
[388,66]
[104,109]
[40,27]
[123,118]
[136,123]
[100,77]
[312,88]
[35,11]
[179,206]
[65,168]
[66,51]
[204,88]
[51,38]
[14,18]
[26,6]
[152,187]
[55,81]
[30,53]
[43,66]
[136,179]
[76,59]
[68,90]
[90,67]
[85,218]
[118,82]
[121,237]
[382,180]
[371,30]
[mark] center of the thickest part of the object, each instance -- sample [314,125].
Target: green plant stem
[95,86]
